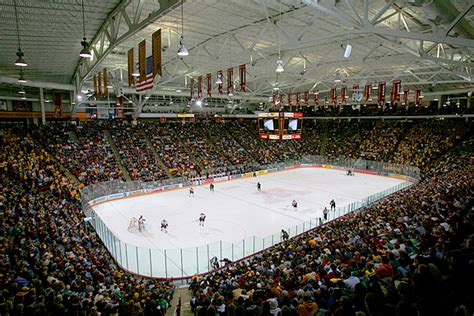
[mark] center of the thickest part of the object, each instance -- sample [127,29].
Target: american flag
[148,82]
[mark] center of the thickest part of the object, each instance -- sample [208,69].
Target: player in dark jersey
[202,219]
[164,225]
[259,186]
[295,205]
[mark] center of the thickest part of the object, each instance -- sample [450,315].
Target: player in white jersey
[295,205]
[164,225]
[141,223]
[191,192]
[202,219]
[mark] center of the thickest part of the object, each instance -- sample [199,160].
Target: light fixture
[435,99]
[279,61]
[178,91]
[182,51]
[23,97]
[338,78]
[22,90]
[198,102]
[85,52]
[79,97]
[20,61]
[21,79]
[347,52]
[219,79]
[135,72]
[231,94]
[276,88]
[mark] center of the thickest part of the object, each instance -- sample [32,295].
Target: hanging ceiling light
[279,61]
[22,90]
[337,79]
[21,79]
[135,72]
[347,52]
[219,79]
[20,61]
[85,52]
[182,51]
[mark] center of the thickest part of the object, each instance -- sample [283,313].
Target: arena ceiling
[428,44]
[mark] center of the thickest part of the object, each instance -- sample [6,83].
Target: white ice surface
[236,210]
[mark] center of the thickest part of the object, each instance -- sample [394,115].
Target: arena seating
[401,256]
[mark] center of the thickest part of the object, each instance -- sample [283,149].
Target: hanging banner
[142,60]
[199,87]
[191,88]
[230,80]
[395,94]
[119,107]
[326,102]
[334,96]
[298,98]
[156,53]
[355,92]
[106,82]
[405,97]
[130,67]
[343,94]
[99,84]
[281,99]
[381,94]
[316,98]
[418,97]
[58,104]
[290,102]
[209,84]
[306,97]
[274,100]
[96,92]
[243,78]
[220,86]
[368,92]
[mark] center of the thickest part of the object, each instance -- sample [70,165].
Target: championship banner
[156,53]
[142,60]
[220,86]
[281,99]
[106,82]
[418,97]
[316,98]
[99,85]
[306,97]
[298,98]
[395,94]
[334,96]
[325,102]
[191,88]
[274,100]
[289,98]
[243,78]
[95,87]
[199,87]
[381,94]
[368,92]
[355,92]
[130,67]
[343,94]
[119,107]
[405,97]
[230,80]
[209,84]
[58,104]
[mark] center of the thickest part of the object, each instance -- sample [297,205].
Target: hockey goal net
[133,226]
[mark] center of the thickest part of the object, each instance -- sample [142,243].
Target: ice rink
[236,210]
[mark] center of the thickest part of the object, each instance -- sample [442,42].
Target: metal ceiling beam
[38,84]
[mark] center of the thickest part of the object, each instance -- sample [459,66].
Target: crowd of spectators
[136,155]
[389,259]
[382,141]
[50,262]
[344,137]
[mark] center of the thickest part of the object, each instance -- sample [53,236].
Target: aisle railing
[183,263]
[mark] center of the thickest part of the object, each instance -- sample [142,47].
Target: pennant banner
[130,67]
[58,104]
[106,82]
[220,86]
[191,88]
[156,53]
[142,60]
[99,84]
[381,94]
[298,98]
[119,107]
[243,78]
[230,80]
[316,98]
[334,96]
[405,97]
[395,94]
[368,92]
[199,87]
[96,92]
[418,97]
[209,84]
[306,97]
[289,98]
[343,94]
[281,99]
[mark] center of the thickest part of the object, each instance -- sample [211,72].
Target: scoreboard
[280,125]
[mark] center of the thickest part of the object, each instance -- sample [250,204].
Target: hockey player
[211,187]
[164,225]
[259,186]
[141,223]
[325,213]
[333,205]
[202,219]
[191,192]
[349,172]
[295,205]
[284,235]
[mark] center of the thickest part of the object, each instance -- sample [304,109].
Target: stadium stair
[155,154]
[117,156]
[185,295]
[185,147]
[73,136]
